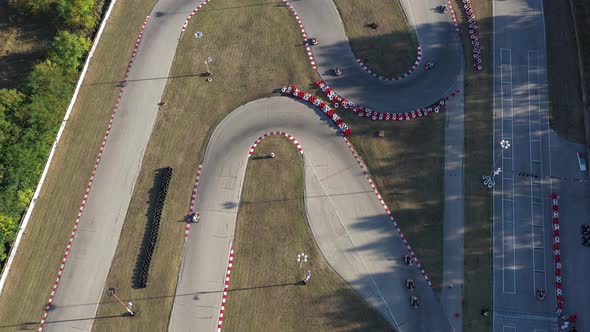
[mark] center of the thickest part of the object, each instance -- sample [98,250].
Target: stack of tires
[374,115]
[557,253]
[473,34]
[294,91]
[158,194]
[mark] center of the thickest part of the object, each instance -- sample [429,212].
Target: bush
[29,120]
[77,14]
[67,49]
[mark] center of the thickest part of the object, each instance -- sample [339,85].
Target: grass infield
[477,291]
[271,230]
[391,49]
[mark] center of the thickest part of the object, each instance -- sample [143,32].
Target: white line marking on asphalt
[534,92]
[506,328]
[354,245]
[506,64]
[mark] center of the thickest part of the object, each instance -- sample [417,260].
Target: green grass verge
[391,49]
[271,230]
[563,72]
[407,166]
[478,158]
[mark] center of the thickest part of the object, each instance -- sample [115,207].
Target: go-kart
[442,8]
[429,65]
[408,260]
[540,294]
[194,217]
[410,284]
[336,71]
[585,229]
[313,41]
[414,302]
[586,240]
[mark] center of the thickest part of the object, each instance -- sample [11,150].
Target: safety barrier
[183,29]
[91,180]
[150,237]
[397,78]
[225,289]
[306,40]
[473,34]
[557,253]
[362,111]
[323,106]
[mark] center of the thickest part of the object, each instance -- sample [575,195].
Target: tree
[77,14]
[67,49]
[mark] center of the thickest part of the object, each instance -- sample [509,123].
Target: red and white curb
[275,133]
[306,41]
[397,78]
[225,289]
[557,253]
[361,164]
[90,182]
[191,209]
[382,116]
[183,29]
[453,15]
[473,34]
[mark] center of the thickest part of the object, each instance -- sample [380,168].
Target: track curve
[347,220]
[437,37]
[373,264]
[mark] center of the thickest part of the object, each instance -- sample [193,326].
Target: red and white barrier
[382,116]
[306,40]
[183,29]
[453,15]
[294,91]
[361,164]
[275,133]
[191,209]
[225,289]
[90,182]
[557,253]
[473,34]
[397,78]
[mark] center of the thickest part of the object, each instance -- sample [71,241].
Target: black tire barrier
[157,200]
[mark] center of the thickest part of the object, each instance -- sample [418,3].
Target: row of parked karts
[411,285]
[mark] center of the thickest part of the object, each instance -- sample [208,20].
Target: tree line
[31,115]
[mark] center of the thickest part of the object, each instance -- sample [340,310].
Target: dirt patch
[23,43]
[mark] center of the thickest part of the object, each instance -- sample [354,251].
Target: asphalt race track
[440,43]
[347,219]
[522,206]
